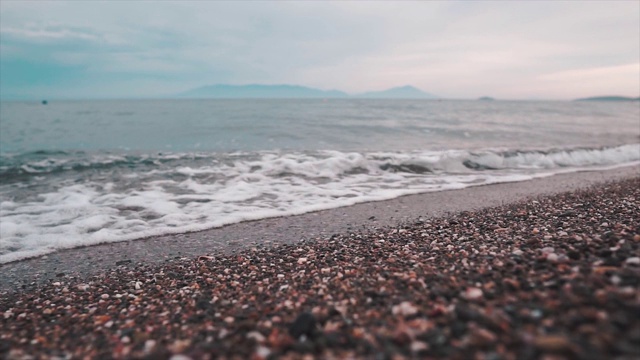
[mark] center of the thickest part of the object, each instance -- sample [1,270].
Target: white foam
[244,187]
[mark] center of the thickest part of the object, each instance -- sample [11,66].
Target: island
[609,98]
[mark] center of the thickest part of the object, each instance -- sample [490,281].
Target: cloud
[453,49]
[50,33]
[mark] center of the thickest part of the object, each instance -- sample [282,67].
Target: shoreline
[554,276]
[86,261]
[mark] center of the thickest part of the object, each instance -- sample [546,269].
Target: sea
[78,173]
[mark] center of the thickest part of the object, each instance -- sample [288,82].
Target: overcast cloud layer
[526,50]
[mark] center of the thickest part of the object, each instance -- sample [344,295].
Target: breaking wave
[57,200]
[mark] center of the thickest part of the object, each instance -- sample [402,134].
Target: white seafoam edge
[90,214]
[84,240]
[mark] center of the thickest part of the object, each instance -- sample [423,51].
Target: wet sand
[83,262]
[541,276]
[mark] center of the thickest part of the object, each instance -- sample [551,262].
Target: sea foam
[71,200]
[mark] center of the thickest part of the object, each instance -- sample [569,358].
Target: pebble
[547,250]
[304,324]
[472,293]
[405,308]
[262,352]
[633,260]
[448,287]
[553,343]
[180,357]
[257,336]
[418,346]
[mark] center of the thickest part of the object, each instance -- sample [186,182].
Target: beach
[548,268]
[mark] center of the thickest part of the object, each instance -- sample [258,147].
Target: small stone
[263,352]
[517,252]
[553,257]
[180,357]
[229,319]
[482,337]
[149,345]
[104,296]
[305,324]
[553,343]
[302,260]
[615,279]
[257,336]
[472,293]
[548,250]
[632,261]
[418,346]
[405,308]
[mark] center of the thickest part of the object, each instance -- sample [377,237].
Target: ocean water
[78,173]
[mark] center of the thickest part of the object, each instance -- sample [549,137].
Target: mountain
[609,98]
[256,91]
[402,92]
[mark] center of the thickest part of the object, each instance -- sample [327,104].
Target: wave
[22,166]
[67,200]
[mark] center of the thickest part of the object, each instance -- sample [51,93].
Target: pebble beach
[550,277]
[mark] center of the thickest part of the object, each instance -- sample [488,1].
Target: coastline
[83,262]
[554,276]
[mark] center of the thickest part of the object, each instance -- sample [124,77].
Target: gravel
[556,277]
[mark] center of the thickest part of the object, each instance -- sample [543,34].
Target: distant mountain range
[256,91]
[402,92]
[609,98]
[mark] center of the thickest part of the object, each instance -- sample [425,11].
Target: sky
[455,49]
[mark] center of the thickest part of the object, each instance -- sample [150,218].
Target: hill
[256,91]
[402,92]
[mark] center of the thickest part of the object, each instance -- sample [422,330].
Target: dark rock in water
[44,102]
[486,98]
[410,168]
[305,324]
[469,164]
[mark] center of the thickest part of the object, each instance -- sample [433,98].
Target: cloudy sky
[511,50]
